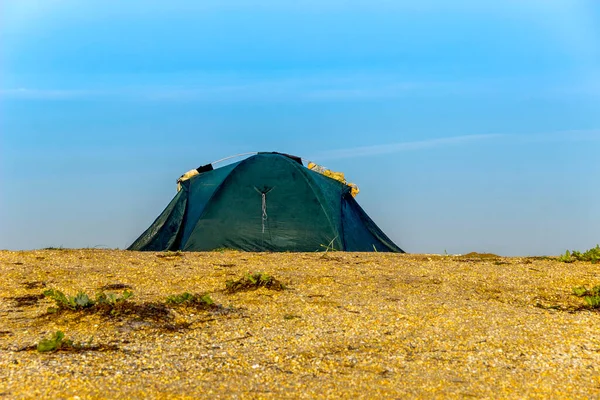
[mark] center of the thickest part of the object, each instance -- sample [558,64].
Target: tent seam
[218,189]
[311,184]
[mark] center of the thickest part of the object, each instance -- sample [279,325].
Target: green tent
[267,202]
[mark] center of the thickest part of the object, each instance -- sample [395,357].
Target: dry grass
[348,326]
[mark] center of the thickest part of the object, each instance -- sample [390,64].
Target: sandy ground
[350,325]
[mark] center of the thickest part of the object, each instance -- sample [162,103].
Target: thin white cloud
[562,136]
[298,86]
[365,151]
[45,94]
[304,88]
[398,147]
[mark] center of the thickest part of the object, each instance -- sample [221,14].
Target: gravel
[348,325]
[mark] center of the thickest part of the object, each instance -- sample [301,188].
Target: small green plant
[593,301]
[591,296]
[254,281]
[189,299]
[81,301]
[112,299]
[56,342]
[180,298]
[592,255]
[112,304]
[330,246]
[64,302]
[567,258]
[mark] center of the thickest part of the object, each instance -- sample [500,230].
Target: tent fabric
[295,158]
[267,202]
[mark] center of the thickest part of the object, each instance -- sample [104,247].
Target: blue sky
[468,126]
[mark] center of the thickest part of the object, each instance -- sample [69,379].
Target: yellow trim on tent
[338,176]
[185,177]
